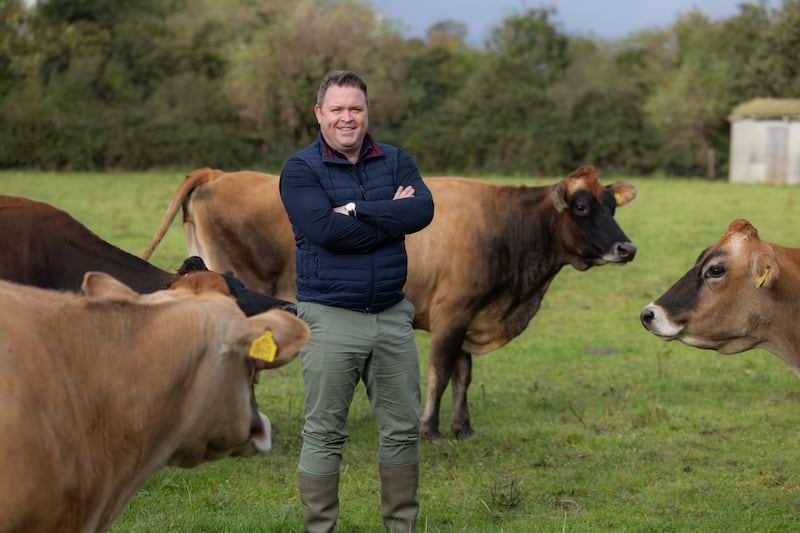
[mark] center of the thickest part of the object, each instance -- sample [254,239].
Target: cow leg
[462,377]
[438,376]
[441,359]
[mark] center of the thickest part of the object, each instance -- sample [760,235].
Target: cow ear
[558,194]
[277,337]
[624,192]
[100,284]
[765,271]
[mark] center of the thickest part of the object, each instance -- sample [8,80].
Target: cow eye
[581,209]
[715,271]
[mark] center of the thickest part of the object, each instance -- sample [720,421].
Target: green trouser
[379,349]
[346,347]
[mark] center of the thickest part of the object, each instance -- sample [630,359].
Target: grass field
[585,422]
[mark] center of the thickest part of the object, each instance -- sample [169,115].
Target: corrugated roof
[774,108]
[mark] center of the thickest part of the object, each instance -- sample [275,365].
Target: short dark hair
[341,78]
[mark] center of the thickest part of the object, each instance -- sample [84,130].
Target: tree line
[134,84]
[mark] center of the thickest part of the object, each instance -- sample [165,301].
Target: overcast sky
[604,19]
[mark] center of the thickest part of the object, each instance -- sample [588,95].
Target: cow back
[236,223]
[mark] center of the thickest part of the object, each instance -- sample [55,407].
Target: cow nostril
[626,250]
[647,316]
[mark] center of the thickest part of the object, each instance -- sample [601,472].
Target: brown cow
[46,247]
[477,274]
[100,390]
[238,242]
[742,293]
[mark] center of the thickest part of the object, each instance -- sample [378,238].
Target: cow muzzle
[620,253]
[262,440]
[655,320]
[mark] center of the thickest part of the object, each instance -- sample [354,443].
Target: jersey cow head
[589,234]
[739,295]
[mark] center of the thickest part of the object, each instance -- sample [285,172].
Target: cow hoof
[434,437]
[464,433]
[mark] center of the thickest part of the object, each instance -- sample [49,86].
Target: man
[351,202]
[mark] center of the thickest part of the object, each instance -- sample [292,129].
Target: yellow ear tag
[618,197]
[264,347]
[763,278]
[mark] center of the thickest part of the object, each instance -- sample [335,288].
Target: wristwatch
[350,207]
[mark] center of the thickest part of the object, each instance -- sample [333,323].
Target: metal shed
[765,141]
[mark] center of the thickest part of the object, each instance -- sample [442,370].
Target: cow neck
[133,271]
[785,322]
[142,278]
[534,257]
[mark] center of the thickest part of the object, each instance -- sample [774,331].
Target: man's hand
[403,192]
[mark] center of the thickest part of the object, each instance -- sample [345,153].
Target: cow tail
[192,180]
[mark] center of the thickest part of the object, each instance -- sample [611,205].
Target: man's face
[343,119]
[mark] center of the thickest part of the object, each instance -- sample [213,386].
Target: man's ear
[558,194]
[765,270]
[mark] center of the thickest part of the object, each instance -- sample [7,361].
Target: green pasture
[585,422]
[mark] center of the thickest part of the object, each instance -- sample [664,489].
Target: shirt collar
[369,149]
